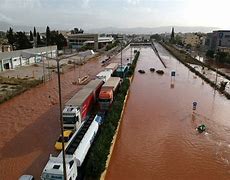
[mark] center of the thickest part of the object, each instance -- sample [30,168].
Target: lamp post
[84,54]
[27,54]
[61,119]
[216,56]
[121,59]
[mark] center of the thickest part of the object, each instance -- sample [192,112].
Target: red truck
[78,107]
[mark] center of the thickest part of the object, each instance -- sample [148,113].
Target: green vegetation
[157,37]
[19,40]
[96,159]
[210,54]
[111,46]
[223,57]
[85,48]
[172,39]
[19,86]
[181,55]
[133,65]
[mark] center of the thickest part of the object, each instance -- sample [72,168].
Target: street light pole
[121,54]
[121,62]
[61,120]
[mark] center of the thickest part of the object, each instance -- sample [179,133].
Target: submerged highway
[157,138]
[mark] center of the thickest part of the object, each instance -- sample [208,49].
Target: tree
[22,41]
[47,36]
[77,31]
[157,37]
[57,39]
[31,36]
[39,42]
[172,35]
[221,56]
[35,33]
[188,46]
[210,54]
[61,41]
[11,37]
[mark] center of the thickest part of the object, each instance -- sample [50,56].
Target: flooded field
[158,138]
[29,123]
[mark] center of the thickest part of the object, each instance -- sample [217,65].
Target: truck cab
[107,92]
[71,118]
[54,169]
[105,98]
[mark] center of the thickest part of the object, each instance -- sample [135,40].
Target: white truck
[104,75]
[78,107]
[75,151]
[112,66]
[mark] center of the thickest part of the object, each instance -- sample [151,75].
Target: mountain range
[4,26]
[153,30]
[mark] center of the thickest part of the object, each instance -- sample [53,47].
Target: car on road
[67,135]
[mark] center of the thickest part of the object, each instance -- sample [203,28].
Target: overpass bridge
[141,44]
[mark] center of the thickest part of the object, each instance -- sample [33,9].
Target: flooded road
[158,138]
[29,123]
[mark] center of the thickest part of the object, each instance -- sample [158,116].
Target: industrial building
[93,41]
[218,40]
[14,59]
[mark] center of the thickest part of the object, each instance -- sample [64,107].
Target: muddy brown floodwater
[158,138]
[29,123]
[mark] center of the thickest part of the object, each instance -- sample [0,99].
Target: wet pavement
[158,138]
[29,123]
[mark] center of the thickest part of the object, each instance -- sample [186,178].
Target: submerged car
[67,135]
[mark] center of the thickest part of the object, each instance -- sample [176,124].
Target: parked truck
[107,92]
[121,71]
[78,107]
[112,66]
[75,151]
[104,75]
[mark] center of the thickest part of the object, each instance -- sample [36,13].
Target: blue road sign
[194,104]
[173,73]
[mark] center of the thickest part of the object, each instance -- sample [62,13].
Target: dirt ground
[37,71]
[29,123]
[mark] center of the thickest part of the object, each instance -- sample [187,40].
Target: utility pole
[43,68]
[121,61]
[131,54]
[61,120]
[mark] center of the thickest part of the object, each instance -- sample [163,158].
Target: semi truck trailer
[75,151]
[112,66]
[78,107]
[107,92]
[104,75]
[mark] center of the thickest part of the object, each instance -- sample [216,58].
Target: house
[14,59]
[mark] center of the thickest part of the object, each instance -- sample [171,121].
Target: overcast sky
[89,14]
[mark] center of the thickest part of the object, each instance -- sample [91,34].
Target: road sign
[173,73]
[194,104]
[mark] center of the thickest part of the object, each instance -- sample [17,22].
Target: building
[192,39]
[13,59]
[6,48]
[218,40]
[93,41]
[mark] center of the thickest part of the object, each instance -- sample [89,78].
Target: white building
[13,59]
